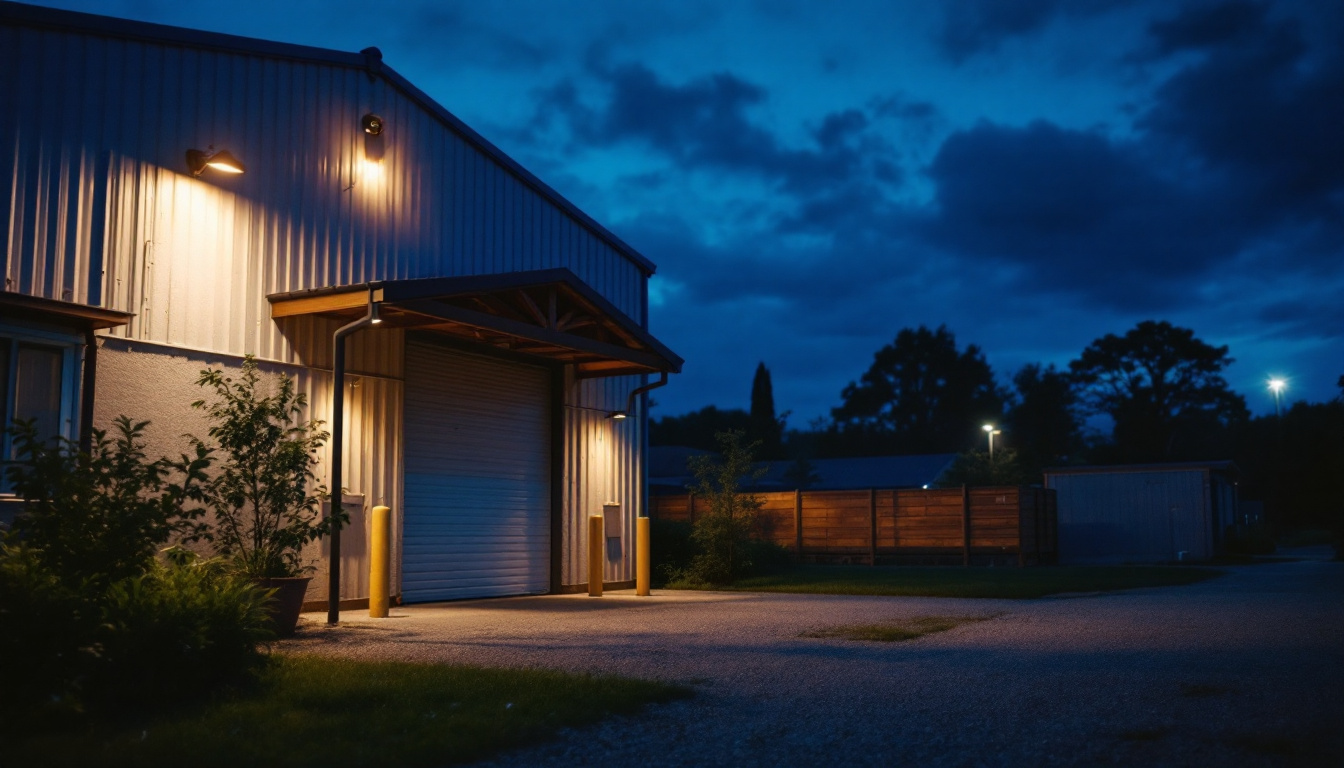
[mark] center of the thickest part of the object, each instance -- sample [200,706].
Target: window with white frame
[39,381]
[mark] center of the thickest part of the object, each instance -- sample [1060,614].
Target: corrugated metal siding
[1132,516]
[603,463]
[102,210]
[93,142]
[478,512]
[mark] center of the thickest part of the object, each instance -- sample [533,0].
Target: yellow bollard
[642,564]
[596,549]
[380,561]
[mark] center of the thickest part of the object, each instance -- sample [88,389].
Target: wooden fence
[966,525]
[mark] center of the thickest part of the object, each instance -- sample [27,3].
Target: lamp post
[991,432]
[1277,386]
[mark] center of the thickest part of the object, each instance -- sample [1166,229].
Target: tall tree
[1044,422]
[920,395]
[698,428]
[765,427]
[1155,382]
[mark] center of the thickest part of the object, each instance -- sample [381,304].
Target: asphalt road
[1243,670]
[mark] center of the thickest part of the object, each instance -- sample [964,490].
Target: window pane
[37,393]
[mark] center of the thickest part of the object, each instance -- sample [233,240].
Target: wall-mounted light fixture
[222,161]
[372,124]
[630,401]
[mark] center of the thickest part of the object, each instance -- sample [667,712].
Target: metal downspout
[337,504]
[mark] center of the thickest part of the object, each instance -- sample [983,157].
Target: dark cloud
[1076,211]
[972,27]
[1258,111]
[1207,25]
[1239,156]
[706,124]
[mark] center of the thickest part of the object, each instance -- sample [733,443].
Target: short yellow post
[380,561]
[642,564]
[596,549]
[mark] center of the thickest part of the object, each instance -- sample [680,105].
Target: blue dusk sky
[812,177]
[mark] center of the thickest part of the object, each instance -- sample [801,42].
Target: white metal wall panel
[477,485]
[603,463]
[101,208]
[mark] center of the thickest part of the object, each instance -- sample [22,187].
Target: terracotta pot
[286,603]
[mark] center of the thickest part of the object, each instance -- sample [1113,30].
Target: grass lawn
[953,581]
[316,711]
[896,631]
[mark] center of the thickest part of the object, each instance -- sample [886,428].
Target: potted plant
[264,493]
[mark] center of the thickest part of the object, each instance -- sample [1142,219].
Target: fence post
[872,517]
[965,525]
[690,507]
[798,523]
[1021,551]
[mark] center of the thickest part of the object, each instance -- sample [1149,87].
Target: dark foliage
[920,395]
[724,531]
[1043,423]
[1160,385]
[99,516]
[978,468]
[764,427]
[90,621]
[697,429]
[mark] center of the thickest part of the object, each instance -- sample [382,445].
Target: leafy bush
[89,618]
[264,509]
[47,637]
[100,515]
[670,549]
[178,630]
[724,532]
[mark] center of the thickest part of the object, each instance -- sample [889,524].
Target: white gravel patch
[1243,670]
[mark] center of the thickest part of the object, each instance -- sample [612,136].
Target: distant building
[668,471]
[1144,513]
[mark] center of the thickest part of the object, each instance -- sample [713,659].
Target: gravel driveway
[1246,669]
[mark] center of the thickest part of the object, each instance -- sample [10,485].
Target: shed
[1144,513]
[513,323]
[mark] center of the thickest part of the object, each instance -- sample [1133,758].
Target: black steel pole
[337,448]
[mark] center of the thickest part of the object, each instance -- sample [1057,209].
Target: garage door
[477,462]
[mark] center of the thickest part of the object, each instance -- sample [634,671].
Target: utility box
[611,519]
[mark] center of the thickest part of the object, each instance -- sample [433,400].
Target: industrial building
[177,199]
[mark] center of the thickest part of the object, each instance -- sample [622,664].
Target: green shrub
[265,495]
[670,549]
[100,515]
[177,631]
[47,638]
[724,532]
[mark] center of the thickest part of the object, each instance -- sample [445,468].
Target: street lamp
[991,431]
[1277,386]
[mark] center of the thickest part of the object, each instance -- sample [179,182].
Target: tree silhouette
[920,395]
[1155,382]
[765,428]
[1044,422]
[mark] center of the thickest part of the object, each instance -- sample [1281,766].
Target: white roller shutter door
[477,489]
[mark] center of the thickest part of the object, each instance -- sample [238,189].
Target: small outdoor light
[1277,386]
[372,124]
[375,315]
[991,431]
[617,415]
[222,161]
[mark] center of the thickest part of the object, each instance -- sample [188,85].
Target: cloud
[706,125]
[1258,111]
[974,27]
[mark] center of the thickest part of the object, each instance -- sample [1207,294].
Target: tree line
[1159,387]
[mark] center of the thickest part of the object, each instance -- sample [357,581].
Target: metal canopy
[548,314]
[66,313]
